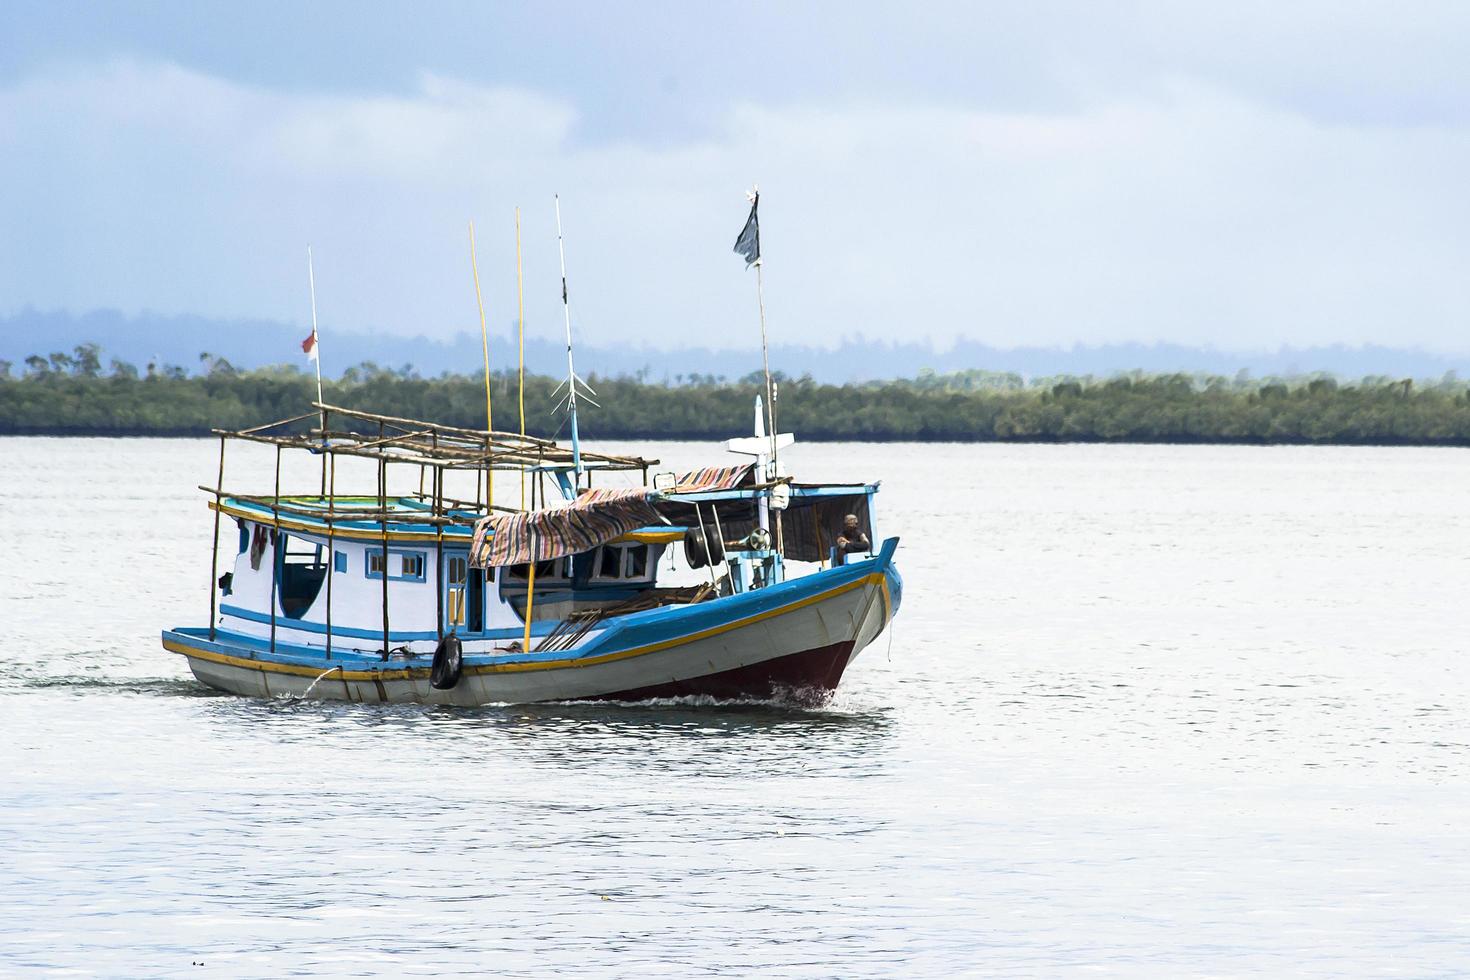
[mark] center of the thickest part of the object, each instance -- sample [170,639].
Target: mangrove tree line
[77,394]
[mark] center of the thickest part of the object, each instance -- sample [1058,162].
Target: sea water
[1168,711]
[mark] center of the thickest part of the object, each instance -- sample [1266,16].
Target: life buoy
[448,662]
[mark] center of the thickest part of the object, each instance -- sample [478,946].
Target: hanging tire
[700,551]
[448,663]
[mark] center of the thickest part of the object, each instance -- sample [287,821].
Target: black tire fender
[700,551]
[448,663]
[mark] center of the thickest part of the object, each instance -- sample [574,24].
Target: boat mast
[760,296]
[749,246]
[571,371]
[315,341]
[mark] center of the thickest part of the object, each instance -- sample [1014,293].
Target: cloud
[1186,212]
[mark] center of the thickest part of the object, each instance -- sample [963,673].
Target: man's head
[850,524]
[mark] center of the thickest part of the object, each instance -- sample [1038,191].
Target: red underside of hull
[805,676]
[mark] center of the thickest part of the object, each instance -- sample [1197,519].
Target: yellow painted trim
[295,669]
[409,674]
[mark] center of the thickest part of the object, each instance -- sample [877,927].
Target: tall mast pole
[760,296]
[316,341]
[749,245]
[571,371]
[485,347]
[521,359]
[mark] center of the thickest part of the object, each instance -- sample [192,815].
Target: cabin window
[618,562]
[301,569]
[339,561]
[457,569]
[551,570]
[403,566]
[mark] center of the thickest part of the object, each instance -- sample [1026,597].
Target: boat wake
[157,686]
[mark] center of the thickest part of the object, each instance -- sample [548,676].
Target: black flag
[748,244]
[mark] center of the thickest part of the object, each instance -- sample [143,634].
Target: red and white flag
[309,346]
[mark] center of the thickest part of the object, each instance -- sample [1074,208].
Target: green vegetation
[73,394]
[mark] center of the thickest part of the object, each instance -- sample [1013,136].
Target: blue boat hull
[788,641]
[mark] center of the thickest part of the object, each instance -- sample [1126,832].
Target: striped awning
[596,516]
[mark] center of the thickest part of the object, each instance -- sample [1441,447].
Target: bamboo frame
[437,449]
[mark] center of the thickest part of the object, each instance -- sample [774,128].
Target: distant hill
[247,344]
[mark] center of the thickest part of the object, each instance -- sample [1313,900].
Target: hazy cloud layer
[1192,209]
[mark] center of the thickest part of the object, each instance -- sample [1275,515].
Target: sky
[1240,176]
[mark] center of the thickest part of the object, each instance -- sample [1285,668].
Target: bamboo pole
[346,515]
[331,547]
[415,423]
[275,548]
[383,507]
[530,594]
[434,509]
[214,556]
[521,357]
[439,556]
[485,347]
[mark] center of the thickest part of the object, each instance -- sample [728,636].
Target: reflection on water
[1147,710]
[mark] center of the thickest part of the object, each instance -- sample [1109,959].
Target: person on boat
[853,539]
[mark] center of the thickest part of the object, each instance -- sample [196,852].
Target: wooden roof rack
[401,440]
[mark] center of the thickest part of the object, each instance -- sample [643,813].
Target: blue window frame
[339,561]
[403,566]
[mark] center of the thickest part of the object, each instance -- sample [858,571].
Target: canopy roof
[721,500]
[595,517]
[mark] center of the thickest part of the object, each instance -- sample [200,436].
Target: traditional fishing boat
[726,582]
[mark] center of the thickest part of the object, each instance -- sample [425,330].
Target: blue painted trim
[634,630]
[339,561]
[538,628]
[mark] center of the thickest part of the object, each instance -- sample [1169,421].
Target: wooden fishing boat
[723,583]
